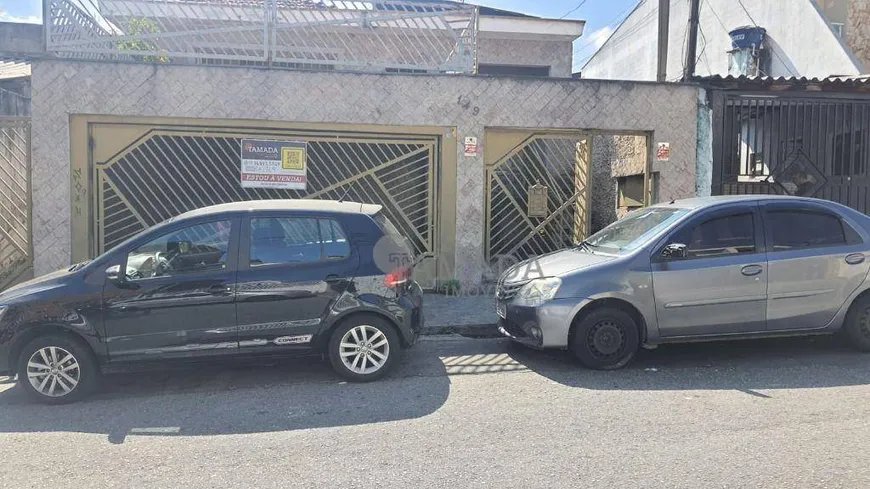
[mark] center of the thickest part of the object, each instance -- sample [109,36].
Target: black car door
[293,267]
[176,299]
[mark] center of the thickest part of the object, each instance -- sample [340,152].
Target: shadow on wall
[780,64]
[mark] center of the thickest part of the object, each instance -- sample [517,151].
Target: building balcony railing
[372,36]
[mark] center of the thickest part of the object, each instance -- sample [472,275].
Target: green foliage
[137,28]
[449,287]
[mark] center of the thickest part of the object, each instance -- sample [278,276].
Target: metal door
[16,255]
[516,161]
[721,287]
[142,174]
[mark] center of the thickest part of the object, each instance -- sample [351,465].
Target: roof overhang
[499,27]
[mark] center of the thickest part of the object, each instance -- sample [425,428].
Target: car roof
[311,205]
[702,202]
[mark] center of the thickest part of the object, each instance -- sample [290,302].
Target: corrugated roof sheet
[860,83]
[14,68]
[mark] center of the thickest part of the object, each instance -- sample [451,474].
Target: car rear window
[388,227]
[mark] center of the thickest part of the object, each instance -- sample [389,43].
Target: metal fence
[16,249]
[557,164]
[804,146]
[384,35]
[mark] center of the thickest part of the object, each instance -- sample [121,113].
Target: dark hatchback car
[225,282]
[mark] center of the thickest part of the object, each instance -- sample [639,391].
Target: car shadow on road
[292,394]
[746,366]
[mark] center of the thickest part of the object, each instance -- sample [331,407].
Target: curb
[477,330]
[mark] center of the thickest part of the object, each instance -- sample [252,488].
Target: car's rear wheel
[856,328]
[605,339]
[56,369]
[363,348]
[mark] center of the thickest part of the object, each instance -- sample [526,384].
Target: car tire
[605,339]
[57,369]
[363,348]
[856,327]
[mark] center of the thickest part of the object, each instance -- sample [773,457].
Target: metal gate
[519,163]
[16,247]
[804,146]
[142,175]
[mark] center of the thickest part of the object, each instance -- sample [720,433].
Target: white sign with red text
[274,164]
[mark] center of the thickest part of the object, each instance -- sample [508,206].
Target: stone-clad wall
[466,103]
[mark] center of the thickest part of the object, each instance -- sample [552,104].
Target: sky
[601,16]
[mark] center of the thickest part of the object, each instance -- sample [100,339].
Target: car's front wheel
[363,348]
[605,339]
[56,369]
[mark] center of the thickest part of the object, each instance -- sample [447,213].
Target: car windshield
[635,229]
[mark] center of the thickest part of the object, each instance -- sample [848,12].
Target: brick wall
[469,104]
[858,30]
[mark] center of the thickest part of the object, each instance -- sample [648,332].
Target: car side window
[721,236]
[277,240]
[335,245]
[196,248]
[793,229]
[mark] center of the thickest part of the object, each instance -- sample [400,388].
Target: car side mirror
[675,251]
[113,274]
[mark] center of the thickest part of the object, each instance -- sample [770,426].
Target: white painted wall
[797,33]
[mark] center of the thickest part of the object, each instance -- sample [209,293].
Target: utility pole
[664,21]
[692,50]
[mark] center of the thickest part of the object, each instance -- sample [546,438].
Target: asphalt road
[465,413]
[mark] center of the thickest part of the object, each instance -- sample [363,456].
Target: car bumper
[544,326]
[412,322]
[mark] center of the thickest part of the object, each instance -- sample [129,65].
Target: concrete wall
[466,103]
[558,55]
[613,157]
[20,39]
[15,97]
[799,35]
[834,10]
[858,30]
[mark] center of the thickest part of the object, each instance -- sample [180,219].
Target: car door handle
[220,290]
[332,279]
[751,270]
[855,258]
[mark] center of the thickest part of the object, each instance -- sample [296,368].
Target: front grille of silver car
[507,291]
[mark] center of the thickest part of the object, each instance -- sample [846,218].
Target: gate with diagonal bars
[141,174]
[560,162]
[16,247]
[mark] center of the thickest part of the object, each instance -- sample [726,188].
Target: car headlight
[538,291]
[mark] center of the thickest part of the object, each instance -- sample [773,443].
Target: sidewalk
[469,315]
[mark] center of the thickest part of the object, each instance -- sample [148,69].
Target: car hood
[554,264]
[39,284]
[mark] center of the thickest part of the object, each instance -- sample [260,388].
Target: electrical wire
[574,9]
[614,21]
[619,37]
[704,51]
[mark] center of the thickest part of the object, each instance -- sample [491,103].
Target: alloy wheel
[53,371]
[364,349]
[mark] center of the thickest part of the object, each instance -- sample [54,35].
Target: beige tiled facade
[558,55]
[464,103]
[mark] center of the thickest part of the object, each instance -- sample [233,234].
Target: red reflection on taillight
[397,277]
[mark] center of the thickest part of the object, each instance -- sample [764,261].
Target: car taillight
[397,277]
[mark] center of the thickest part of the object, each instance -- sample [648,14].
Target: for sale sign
[274,164]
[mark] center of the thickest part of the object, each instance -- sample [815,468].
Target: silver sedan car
[713,268]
